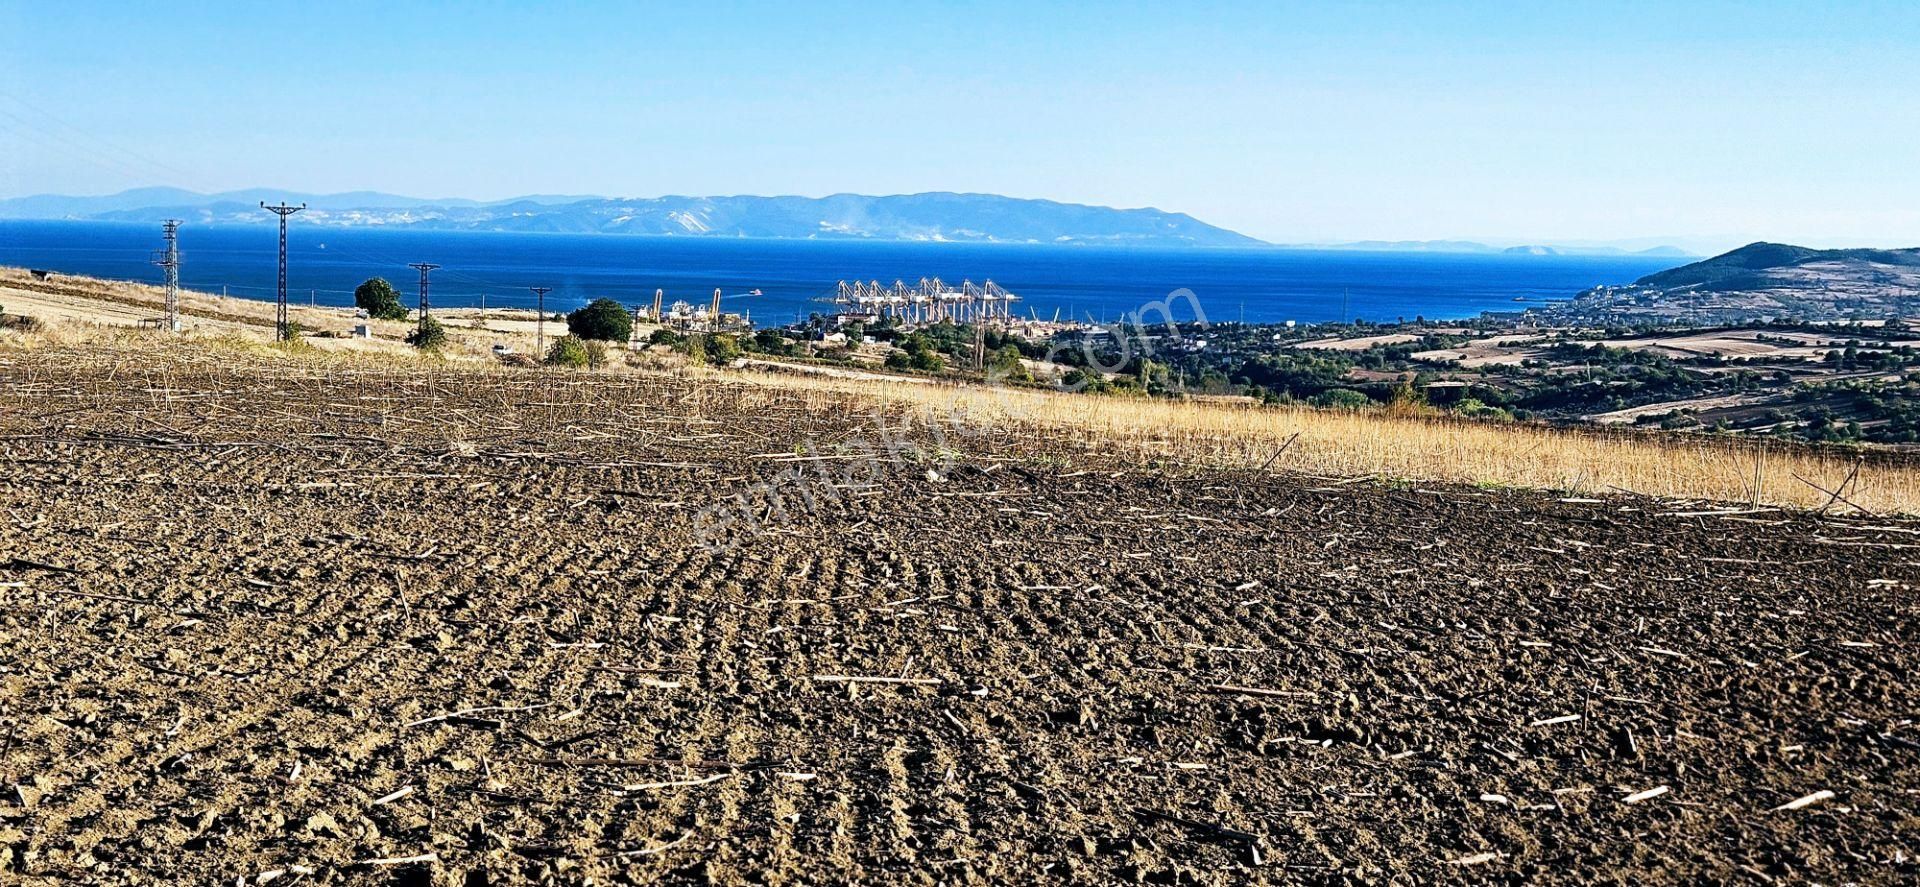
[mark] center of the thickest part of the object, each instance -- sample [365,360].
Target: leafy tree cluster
[602,320]
[769,341]
[917,351]
[1852,357]
[377,297]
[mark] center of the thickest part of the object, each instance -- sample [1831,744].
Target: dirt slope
[264,620]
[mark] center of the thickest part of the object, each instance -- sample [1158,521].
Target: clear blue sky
[1294,122]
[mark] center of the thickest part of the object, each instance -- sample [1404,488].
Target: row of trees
[588,328]
[602,320]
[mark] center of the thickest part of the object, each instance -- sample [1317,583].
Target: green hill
[1760,266]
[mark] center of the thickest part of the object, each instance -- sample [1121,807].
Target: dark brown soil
[243,610]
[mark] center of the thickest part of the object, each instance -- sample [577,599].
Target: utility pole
[169,262]
[423,268]
[980,346]
[280,300]
[540,320]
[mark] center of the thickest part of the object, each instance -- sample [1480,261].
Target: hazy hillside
[1476,247]
[915,217]
[1762,281]
[1762,265]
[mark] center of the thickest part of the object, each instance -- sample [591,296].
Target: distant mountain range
[1475,247]
[1767,281]
[931,217]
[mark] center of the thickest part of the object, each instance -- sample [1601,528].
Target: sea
[776,282]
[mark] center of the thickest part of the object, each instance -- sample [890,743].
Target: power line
[423,268]
[94,143]
[280,293]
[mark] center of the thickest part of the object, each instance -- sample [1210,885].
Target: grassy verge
[1343,443]
[1333,443]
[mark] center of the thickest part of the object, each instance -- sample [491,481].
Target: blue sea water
[794,277]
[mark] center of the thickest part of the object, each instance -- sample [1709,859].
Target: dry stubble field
[292,623]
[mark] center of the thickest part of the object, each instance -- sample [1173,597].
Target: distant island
[1476,247]
[933,217]
[1759,282]
[938,217]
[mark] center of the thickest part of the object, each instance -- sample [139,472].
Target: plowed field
[288,624]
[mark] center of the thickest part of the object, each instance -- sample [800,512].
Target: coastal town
[1820,355]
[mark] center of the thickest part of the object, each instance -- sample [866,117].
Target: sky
[1570,122]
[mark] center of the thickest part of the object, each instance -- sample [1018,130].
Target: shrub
[1081,379]
[1342,398]
[430,334]
[1474,408]
[663,336]
[596,354]
[602,319]
[377,298]
[1407,401]
[918,352]
[1005,366]
[569,351]
[770,342]
[723,349]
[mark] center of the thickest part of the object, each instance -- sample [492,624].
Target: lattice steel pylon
[425,306]
[540,321]
[280,298]
[169,262]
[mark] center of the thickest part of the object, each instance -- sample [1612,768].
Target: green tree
[569,351]
[429,334]
[377,298]
[602,319]
[664,336]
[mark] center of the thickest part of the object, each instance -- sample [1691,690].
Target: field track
[442,626]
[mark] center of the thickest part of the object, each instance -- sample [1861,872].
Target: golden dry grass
[74,309]
[1377,443]
[1322,442]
